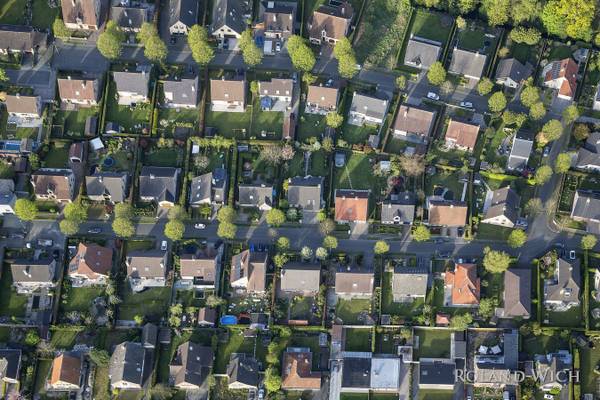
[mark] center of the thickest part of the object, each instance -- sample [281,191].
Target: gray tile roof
[129,17]
[191,365]
[409,282]
[371,106]
[201,188]
[33,271]
[253,266]
[300,277]
[568,282]
[517,293]
[399,209]
[21,38]
[185,11]
[10,364]
[229,13]
[586,206]
[437,372]
[127,363]
[421,53]
[306,192]
[146,263]
[184,91]
[134,82]
[513,69]
[243,368]
[505,201]
[255,195]
[519,153]
[356,373]
[108,183]
[159,183]
[467,63]
[589,153]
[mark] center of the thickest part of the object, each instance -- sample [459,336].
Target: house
[228,95]
[65,375]
[229,19]
[127,367]
[159,185]
[297,371]
[259,196]
[8,197]
[437,374]
[561,291]
[463,285]
[354,282]
[23,107]
[503,209]
[132,87]
[209,188]
[519,153]
[351,205]
[398,209]
[31,275]
[553,370]
[10,365]
[146,268]
[447,213]
[300,278]
[461,135]
[586,208]
[562,76]
[330,23]
[306,192]
[588,155]
[276,94]
[511,72]
[409,284]
[517,293]
[191,367]
[207,317]
[596,103]
[183,14]
[242,372]
[79,91]
[54,184]
[249,271]
[368,109]
[200,268]
[413,124]
[467,63]
[364,372]
[181,93]
[21,39]
[278,19]
[321,99]
[83,14]
[107,186]
[130,19]
[91,265]
[497,366]
[421,52]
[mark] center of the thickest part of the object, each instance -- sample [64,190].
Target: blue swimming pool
[228,320]
[10,146]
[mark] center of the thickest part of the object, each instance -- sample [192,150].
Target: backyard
[358,339]
[310,125]
[131,119]
[169,119]
[80,298]
[432,26]
[237,343]
[589,360]
[43,15]
[448,183]
[266,124]
[201,337]
[12,12]
[354,134]
[164,156]
[73,122]
[152,303]
[474,39]
[317,164]
[11,303]
[353,311]
[58,156]
[432,343]
[388,306]
[229,124]
[571,318]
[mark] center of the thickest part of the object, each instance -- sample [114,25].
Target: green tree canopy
[562,163]
[571,18]
[530,95]
[174,229]
[550,132]
[421,233]
[59,28]
[202,51]
[581,131]
[436,74]
[517,238]
[461,321]
[381,247]
[301,55]
[487,306]
[69,227]
[226,214]
[25,209]
[123,227]
[110,42]
[495,261]
[123,210]
[529,36]
[543,174]
[588,242]
[497,102]
[226,230]
[275,217]
[76,211]
[155,49]
[330,242]
[485,86]
[333,119]
[344,53]
[250,52]
[283,243]
[570,114]
[537,111]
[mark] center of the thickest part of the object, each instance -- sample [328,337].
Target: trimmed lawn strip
[349,310]
[358,134]
[433,343]
[41,374]
[572,318]
[173,118]
[492,232]
[542,344]
[57,157]
[152,303]
[164,157]
[589,359]
[358,339]
[11,303]
[80,298]
[64,338]
[431,394]
[73,122]
[471,39]
[430,25]
[229,124]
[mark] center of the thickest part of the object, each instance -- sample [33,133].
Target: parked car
[548,396]
[433,96]
[572,255]
[546,151]
[95,230]
[16,236]
[45,242]
[278,47]
[163,245]
[466,104]
[199,226]
[340,159]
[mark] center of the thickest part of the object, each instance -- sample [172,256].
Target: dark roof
[127,363]
[134,82]
[183,91]
[200,188]
[129,17]
[505,201]
[278,17]
[230,13]
[41,270]
[517,293]
[371,106]
[467,63]
[10,363]
[192,364]
[421,53]
[255,195]
[110,183]
[520,152]
[306,192]
[22,38]
[567,284]
[589,153]
[185,11]
[356,373]
[586,205]
[243,368]
[436,372]
[513,69]
[399,209]
[160,183]
[149,335]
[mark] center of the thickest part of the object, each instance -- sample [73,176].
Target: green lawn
[80,299]
[131,119]
[229,124]
[559,52]
[571,318]
[433,343]
[301,309]
[12,12]
[140,245]
[405,310]
[164,157]
[354,396]
[349,310]
[24,133]
[64,338]
[152,303]
[446,180]
[310,125]
[357,173]
[41,375]
[170,118]
[432,26]
[397,146]
[430,394]
[237,344]
[43,15]
[58,156]
[73,122]
[295,166]
[472,40]
[542,344]
[318,164]
[492,232]
[358,339]
[589,359]
[358,134]
[270,122]
[11,303]
[524,53]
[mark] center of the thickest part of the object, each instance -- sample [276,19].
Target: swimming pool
[10,146]
[228,320]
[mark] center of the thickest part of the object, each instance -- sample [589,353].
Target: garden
[11,303]
[133,119]
[310,125]
[13,12]
[479,39]
[265,124]
[398,311]
[359,339]
[229,124]
[432,26]
[152,303]
[119,155]
[164,153]
[317,165]
[431,343]
[354,311]
[57,156]
[234,341]
[73,122]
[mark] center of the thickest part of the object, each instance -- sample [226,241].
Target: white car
[572,254]
[163,245]
[466,104]
[278,47]
[433,96]
[199,226]
[548,396]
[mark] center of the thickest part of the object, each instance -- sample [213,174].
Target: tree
[34,161]
[213,301]
[155,50]
[530,95]
[569,18]
[301,55]
[513,118]
[581,132]
[497,11]
[306,252]
[497,102]
[570,114]
[495,261]
[250,52]
[76,211]
[25,209]
[31,338]
[321,253]
[272,380]
[517,238]
[147,30]
[174,229]
[421,233]
[327,226]
[59,28]
[485,86]
[436,74]
[110,42]
[226,230]
[550,131]
[381,247]
[588,242]
[161,392]
[226,214]
[543,175]
[562,163]
[344,53]
[537,111]
[283,243]
[123,227]
[524,10]
[461,321]
[330,242]
[487,306]
[528,36]
[534,206]
[3,76]
[69,227]
[461,23]
[401,82]
[446,87]
[410,165]
[333,119]
[123,210]
[202,51]
[138,319]
[280,259]
[275,217]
